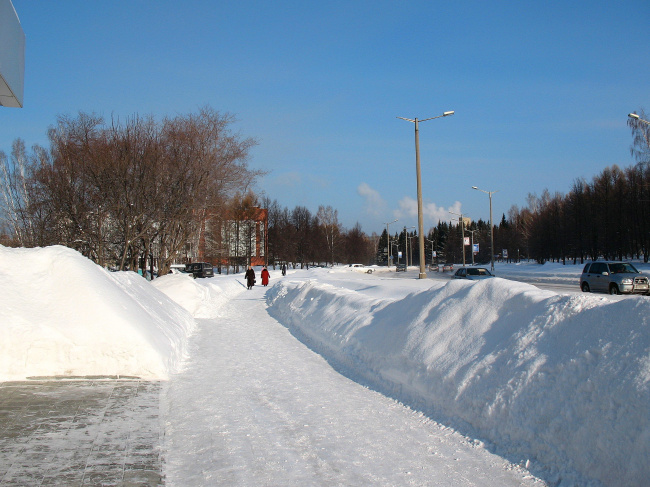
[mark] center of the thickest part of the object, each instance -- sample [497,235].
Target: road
[560,286]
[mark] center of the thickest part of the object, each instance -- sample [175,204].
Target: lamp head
[633,115]
[446,114]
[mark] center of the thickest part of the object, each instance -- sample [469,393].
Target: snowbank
[62,315]
[201,297]
[558,382]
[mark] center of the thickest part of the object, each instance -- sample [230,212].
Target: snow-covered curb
[559,382]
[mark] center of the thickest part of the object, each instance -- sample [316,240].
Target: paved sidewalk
[78,433]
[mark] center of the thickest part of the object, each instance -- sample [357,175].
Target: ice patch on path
[559,382]
[62,315]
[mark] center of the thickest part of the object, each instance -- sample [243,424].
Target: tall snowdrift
[561,381]
[62,315]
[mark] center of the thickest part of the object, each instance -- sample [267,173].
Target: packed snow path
[254,406]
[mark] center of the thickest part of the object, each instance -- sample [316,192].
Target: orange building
[235,242]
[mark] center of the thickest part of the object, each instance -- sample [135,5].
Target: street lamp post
[411,244]
[461,219]
[636,117]
[419,185]
[388,237]
[490,193]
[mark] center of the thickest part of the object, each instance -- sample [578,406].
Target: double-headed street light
[419,185]
[490,193]
[636,117]
[388,237]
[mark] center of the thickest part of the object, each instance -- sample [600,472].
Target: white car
[360,268]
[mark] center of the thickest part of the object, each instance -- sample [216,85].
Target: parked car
[360,268]
[200,269]
[614,278]
[400,267]
[472,273]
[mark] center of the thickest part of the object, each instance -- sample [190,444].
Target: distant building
[227,240]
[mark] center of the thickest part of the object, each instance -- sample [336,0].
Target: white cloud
[408,207]
[431,213]
[375,205]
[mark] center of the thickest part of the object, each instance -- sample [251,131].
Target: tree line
[608,217]
[301,238]
[445,243]
[114,190]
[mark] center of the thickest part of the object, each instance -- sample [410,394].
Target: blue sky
[541,91]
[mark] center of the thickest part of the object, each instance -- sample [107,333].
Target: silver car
[613,278]
[472,273]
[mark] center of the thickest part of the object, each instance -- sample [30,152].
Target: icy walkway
[254,406]
[76,433]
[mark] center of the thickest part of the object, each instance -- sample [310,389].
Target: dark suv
[613,278]
[200,269]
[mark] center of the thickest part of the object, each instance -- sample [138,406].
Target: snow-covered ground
[558,383]
[62,315]
[254,406]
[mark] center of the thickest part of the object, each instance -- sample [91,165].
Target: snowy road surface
[254,406]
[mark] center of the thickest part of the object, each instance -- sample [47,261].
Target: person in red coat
[265,276]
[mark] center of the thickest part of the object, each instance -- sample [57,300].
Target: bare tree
[204,166]
[358,246]
[329,222]
[130,192]
[15,196]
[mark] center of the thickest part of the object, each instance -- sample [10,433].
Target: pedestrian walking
[284,269]
[250,277]
[265,276]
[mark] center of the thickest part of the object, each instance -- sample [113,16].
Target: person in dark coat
[284,269]
[265,276]
[250,277]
